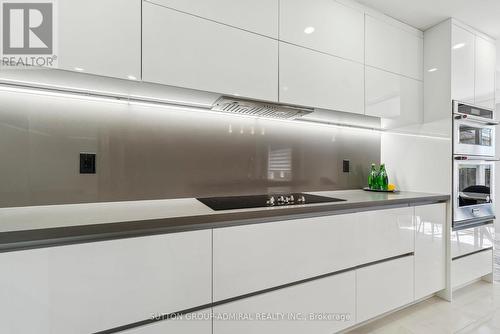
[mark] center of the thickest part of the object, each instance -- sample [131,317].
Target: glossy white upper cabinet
[315,79]
[331,296]
[383,287]
[430,249]
[462,64]
[323,25]
[397,99]
[100,37]
[183,50]
[93,287]
[393,49]
[259,16]
[485,64]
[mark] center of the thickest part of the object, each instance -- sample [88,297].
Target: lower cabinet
[383,287]
[192,323]
[430,249]
[93,287]
[323,306]
[471,267]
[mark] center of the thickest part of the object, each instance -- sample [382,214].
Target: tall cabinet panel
[323,25]
[430,248]
[259,16]
[187,51]
[100,37]
[485,64]
[462,64]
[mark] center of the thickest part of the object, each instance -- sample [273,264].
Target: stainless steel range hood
[259,109]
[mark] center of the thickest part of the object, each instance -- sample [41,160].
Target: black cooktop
[262,201]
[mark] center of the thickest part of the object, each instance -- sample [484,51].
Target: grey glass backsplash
[147,152]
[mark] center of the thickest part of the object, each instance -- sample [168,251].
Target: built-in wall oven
[473,165]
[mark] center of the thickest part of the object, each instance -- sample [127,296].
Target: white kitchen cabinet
[383,287]
[259,16]
[323,25]
[462,64]
[393,49]
[485,69]
[384,233]
[333,295]
[183,50]
[315,79]
[430,249]
[471,267]
[100,37]
[284,252]
[395,98]
[470,240]
[192,323]
[96,286]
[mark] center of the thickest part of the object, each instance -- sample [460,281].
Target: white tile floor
[475,309]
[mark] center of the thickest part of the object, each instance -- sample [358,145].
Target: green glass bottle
[382,179]
[372,178]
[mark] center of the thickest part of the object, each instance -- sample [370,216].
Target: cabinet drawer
[314,79]
[471,267]
[186,51]
[470,240]
[92,287]
[333,296]
[193,323]
[383,287]
[385,233]
[259,16]
[256,257]
[323,25]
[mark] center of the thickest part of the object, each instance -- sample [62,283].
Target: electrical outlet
[87,163]
[346,166]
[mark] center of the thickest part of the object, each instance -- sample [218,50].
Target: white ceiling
[483,15]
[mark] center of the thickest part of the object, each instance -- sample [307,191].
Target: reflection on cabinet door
[332,296]
[462,65]
[393,49]
[385,233]
[430,248]
[395,98]
[182,50]
[383,287]
[485,73]
[323,25]
[192,323]
[259,16]
[97,286]
[281,252]
[314,79]
[469,268]
[100,37]
[470,240]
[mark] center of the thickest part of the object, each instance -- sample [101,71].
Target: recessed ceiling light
[432,70]
[458,46]
[131,77]
[79,69]
[309,30]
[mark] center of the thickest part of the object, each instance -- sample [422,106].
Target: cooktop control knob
[271,201]
[291,199]
[301,199]
[281,200]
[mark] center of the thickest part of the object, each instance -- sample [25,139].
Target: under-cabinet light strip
[71,92]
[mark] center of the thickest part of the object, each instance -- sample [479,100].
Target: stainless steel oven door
[473,194]
[474,138]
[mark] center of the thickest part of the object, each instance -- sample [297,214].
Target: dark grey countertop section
[57,228]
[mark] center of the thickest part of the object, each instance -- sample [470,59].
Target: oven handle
[474,222]
[474,158]
[476,119]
